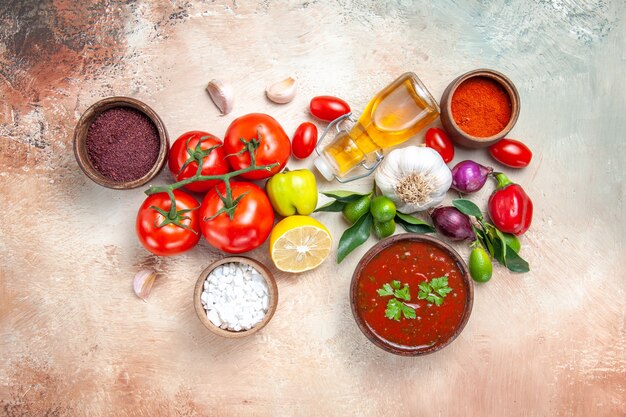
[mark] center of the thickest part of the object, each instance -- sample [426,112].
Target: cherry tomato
[304,140]
[438,140]
[328,108]
[192,147]
[252,221]
[511,152]
[175,235]
[273,144]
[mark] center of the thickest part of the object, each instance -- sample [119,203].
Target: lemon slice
[299,243]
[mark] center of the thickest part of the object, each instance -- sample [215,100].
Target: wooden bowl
[379,340]
[271,285]
[455,132]
[80,138]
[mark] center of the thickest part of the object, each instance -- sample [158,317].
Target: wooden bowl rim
[375,250]
[501,79]
[272,292]
[80,137]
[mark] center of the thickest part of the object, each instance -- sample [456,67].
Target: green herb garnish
[395,309]
[434,291]
[394,289]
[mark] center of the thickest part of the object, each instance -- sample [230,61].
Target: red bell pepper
[510,208]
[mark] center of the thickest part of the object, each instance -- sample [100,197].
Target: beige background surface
[74,340]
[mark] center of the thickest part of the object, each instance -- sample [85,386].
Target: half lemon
[299,243]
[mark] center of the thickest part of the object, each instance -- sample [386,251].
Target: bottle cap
[324,168]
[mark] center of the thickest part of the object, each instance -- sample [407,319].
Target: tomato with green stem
[236,216]
[259,135]
[196,148]
[167,229]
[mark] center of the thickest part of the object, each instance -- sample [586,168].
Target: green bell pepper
[293,192]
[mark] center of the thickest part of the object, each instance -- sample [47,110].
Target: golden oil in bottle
[393,116]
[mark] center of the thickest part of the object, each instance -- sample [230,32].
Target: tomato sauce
[411,263]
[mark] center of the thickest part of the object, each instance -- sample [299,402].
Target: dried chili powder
[122,144]
[481,107]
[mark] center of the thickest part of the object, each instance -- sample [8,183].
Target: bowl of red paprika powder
[120,143]
[479,108]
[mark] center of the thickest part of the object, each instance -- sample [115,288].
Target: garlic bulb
[415,178]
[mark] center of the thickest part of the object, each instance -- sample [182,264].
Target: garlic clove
[222,95]
[283,91]
[142,283]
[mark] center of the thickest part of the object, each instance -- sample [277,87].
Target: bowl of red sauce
[398,298]
[479,108]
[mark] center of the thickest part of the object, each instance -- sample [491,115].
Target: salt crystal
[235,296]
[214,317]
[204,297]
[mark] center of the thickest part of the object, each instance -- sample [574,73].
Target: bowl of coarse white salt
[235,296]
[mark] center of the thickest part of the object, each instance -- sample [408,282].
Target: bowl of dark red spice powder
[120,143]
[479,108]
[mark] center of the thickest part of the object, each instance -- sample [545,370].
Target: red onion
[450,222]
[469,176]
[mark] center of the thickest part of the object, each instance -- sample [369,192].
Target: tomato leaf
[354,236]
[333,206]
[467,207]
[413,224]
[344,196]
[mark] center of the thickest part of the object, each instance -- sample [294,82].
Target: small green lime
[384,229]
[354,210]
[512,241]
[480,265]
[383,209]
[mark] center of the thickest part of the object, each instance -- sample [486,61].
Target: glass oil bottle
[393,116]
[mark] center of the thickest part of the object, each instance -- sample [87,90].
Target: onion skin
[469,176]
[453,224]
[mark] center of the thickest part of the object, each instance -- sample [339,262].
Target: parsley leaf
[396,309]
[393,289]
[385,290]
[434,291]
[409,312]
[403,293]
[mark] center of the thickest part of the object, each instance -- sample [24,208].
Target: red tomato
[304,140]
[328,108]
[186,148]
[170,239]
[511,152]
[252,220]
[438,140]
[273,144]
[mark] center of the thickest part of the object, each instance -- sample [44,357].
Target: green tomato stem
[229,203]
